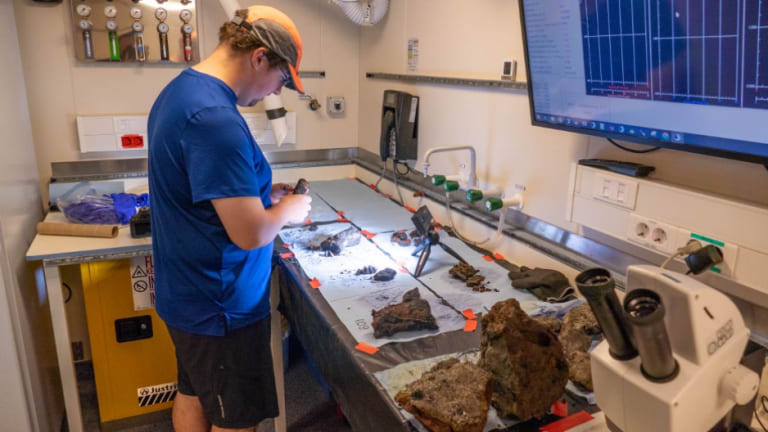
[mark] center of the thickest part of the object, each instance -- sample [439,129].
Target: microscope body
[708,338]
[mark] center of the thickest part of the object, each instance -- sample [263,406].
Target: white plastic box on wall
[663,217]
[112,133]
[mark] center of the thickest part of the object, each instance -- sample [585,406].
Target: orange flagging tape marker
[368,349]
[498,256]
[404,270]
[410,209]
[286,255]
[341,219]
[308,221]
[287,245]
[567,423]
[470,325]
[468,314]
[368,235]
[488,258]
[314,283]
[341,213]
[560,408]
[373,186]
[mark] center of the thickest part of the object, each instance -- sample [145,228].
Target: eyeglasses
[285,75]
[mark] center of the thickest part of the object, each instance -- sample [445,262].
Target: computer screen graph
[684,74]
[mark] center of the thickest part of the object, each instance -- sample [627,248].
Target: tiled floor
[308,407]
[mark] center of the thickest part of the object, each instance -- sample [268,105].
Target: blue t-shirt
[200,149]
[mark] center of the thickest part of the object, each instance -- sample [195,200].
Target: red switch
[132,141]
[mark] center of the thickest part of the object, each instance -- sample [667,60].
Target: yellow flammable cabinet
[134,361]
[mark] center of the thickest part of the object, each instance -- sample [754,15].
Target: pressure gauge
[138,27]
[185,15]
[111,25]
[161,14]
[162,27]
[136,12]
[110,11]
[83,10]
[186,29]
[85,25]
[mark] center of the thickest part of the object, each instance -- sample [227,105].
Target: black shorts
[231,375]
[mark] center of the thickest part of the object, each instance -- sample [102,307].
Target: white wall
[31,397]
[470,39]
[60,88]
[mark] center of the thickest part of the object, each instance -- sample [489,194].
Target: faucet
[472,182]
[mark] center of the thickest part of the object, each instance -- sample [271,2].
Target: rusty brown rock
[413,313]
[451,397]
[552,323]
[463,271]
[525,360]
[582,319]
[579,370]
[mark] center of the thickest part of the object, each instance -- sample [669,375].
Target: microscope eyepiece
[597,286]
[645,313]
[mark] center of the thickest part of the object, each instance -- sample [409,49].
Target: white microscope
[690,339]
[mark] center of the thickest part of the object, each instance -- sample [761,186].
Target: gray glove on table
[546,284]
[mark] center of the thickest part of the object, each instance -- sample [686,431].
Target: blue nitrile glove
[125,206]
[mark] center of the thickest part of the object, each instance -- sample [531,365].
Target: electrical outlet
[656,235]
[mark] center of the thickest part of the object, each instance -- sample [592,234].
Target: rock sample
[470,276]
[581,318]
[401,238]
[413,313]
[366,270]
[451,397]
[525,359]
[384,275]
[579,324]
[332,245]
[552,323]
[579,370]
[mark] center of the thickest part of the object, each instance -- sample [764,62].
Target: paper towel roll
[77,230]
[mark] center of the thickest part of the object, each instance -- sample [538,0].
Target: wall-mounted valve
[475,195]
[515,202]
[451,185]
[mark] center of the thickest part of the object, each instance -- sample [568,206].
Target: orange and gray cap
[279,34]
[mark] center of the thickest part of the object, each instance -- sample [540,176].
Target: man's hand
[279,190]
[296,207]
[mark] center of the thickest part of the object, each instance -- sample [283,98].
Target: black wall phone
[399,126]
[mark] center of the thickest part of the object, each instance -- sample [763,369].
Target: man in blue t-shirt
[214,215]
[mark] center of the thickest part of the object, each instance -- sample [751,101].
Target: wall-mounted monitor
[684,74]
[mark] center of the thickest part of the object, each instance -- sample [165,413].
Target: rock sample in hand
[451,397]
[524,358]
[413,313]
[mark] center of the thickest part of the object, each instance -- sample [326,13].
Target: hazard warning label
[143,282]
[157,394]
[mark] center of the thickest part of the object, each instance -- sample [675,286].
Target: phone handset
[386,148]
